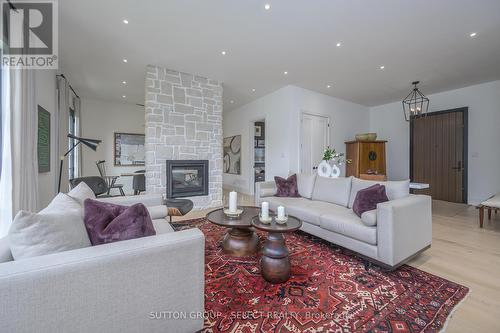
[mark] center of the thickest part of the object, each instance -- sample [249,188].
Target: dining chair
[110,180]
[139,182]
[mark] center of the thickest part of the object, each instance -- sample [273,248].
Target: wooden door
[438,145]
[314,140]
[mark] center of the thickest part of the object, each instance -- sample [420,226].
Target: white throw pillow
[57,228]
[394,189]
[82,192]
[305,184]
[333,190]
[369,218]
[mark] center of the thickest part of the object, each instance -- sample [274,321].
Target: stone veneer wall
[183,122]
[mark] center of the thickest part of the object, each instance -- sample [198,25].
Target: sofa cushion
[107,222]
[369,218]
[349,225]
[305,184]
[287,187]
[333,190]
[368,198]
[81,192]
[59,227]
[394,189]
[306,210]
[5,254]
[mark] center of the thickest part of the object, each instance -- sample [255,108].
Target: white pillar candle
[265,210]
[233,201]
[281,213]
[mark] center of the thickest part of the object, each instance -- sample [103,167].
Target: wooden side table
[275,261]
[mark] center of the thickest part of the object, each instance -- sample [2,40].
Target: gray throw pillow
[57,228]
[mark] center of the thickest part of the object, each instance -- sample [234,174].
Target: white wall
[46,96]
[100,120]
[281,110]
[483,101]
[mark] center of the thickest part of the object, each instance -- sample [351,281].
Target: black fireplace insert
[187,178]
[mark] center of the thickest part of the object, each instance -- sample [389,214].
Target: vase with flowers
[329,166]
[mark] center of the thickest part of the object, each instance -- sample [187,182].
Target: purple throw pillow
[107,222]
[287,187]
[368,198]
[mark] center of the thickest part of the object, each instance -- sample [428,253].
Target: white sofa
[136,285]
[389,235]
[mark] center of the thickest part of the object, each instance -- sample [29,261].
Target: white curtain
[19,176]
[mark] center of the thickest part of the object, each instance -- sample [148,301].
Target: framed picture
[129,149]
[258,131]
[260,143]
[232,155]
[43,140]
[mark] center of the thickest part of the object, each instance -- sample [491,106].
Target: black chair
[97,184]
[139,182]
[110,180]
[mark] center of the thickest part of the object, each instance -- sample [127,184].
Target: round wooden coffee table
[240,239]
[275,262]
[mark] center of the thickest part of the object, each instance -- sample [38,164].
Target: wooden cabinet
[368,157]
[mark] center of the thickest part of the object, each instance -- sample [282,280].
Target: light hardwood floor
[463,253]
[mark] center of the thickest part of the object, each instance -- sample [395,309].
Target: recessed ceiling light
[125,21]
[253,90]
[382,67]
[339,44]
[223,53]
[474,34]
[328,86]
[285,72]
[267,6]
[125,60]
[231,101]
[124,96]
[124,82]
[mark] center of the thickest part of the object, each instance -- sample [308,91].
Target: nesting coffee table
[275,261]
[240,239]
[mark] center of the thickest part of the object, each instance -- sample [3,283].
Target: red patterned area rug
[329,291]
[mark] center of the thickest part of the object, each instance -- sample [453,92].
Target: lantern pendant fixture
[415,104]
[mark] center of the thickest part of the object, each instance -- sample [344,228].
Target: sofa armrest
[404,227]
[264,189]
[148,200]
[118,287]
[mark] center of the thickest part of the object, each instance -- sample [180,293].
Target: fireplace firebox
[187,178]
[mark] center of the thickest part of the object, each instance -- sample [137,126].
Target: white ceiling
[424,40]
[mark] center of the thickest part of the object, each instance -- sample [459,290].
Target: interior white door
[314,139]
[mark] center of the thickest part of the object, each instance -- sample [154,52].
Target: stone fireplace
[183,123]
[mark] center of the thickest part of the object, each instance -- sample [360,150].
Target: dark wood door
[438,145]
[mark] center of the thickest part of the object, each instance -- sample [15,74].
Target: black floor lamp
[91,143]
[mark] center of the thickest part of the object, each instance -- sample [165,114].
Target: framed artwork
[232,155]
[129,149]
[43,149]
[258,131]
[261,143]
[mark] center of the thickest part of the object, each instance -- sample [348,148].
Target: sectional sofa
[149,284]
[389,235]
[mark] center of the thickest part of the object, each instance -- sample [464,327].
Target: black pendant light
[415,104]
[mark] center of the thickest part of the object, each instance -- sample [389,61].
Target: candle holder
[267,220]
[281,221]
[237,213]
